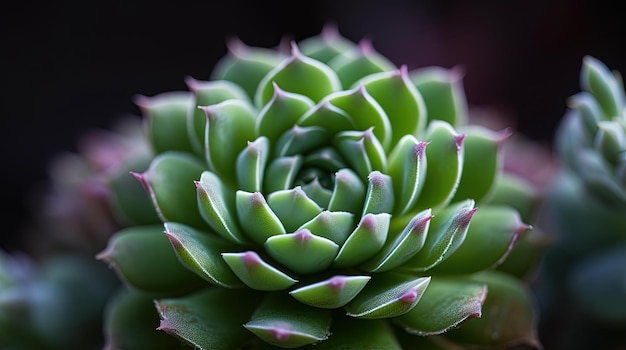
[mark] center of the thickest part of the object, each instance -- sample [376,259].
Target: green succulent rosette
[319,197]
[587,202]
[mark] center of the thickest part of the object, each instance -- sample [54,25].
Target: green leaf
[481,162]
[348,193]
[327,116]
[281,112]
[379,197]
[596,78]
[491,236]
[447,232]
[130,322]
[355,64]
[207,93]
[169,182]
[217,206]
[444,156]
[388,295]
[208,319]
[256,273]
[281,173]
[370,334]
[362,150]
[251,164]
[331,293]
[327,45]
[256,217]
[364,111]
[291,72]
[446,303]
[403,104]
[143,258]
[365,241]
[302,251]
[507,318]
[230,125]
[407,168]
[401,246]
[301,140]
[166,116]
[202,252]
[334,225]
[443,93]
[293,207]
[287,323]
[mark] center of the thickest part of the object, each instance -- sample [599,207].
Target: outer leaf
[291,72]
[443,93]
[327,45]
[286,323]
[388,295]
[596,78]
[143,257]
[202,252]
[169,182]
[403,104]
[508,316]
[446,303]
[355,334]
[130,322]
[332,293]
[490,238]
[256,273]
[358,63]
[207,319]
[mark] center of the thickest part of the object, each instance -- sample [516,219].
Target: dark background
[73,65]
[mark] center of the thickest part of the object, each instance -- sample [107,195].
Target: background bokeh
[69,66]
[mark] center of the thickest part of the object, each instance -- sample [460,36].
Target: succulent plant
[319,195]
[585,271]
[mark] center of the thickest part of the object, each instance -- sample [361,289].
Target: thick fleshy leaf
[256,217]
[596,78]
[363,60]
[287,323]
[598,179]
[362,151]
[589,110]
[256,273]
[334,225]
[351,333]
[403,104]
[281,173]
[291,72]
[401,246]
[349,192]
[365,241]
[301,140]
[217,206]
[364,111]
[481,162]
[202,252]
[251,164]
[443,93]
[327,45]
[407,168]
[130,322]
[281,112]
[446,303]
[293,207]
[206,93]
[246,65]
[508,315]
[169,182]
[388,295]
[331,293]
[447,232]
[207,319]
[493,232]
[166,116]
[143,257]
[317,192]
[231,123]
[610,140]
[327,116]
[445,164]
[379,197]
[302,251]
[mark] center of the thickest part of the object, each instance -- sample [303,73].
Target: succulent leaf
[443,93]
[331,293]
[257,273]
[302,251]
